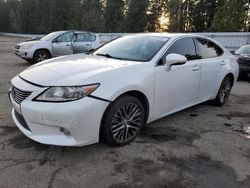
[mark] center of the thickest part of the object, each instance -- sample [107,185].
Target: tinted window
[82,37]
[208,49]
[183,47]
[66,37]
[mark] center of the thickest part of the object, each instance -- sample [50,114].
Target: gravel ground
[203,146]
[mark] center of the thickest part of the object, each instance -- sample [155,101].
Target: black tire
[29,60]
[41,55]
[223,92]
[123,121]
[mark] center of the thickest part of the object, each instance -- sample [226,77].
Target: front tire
[223,92]
[41,55]
[123,121]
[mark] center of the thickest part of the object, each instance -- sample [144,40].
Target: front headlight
[65,94]
[27,46]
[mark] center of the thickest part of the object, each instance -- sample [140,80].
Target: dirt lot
[203,146]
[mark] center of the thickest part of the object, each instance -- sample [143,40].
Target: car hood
[71,70]
[32,42]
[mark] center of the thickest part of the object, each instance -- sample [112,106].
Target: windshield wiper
[109,56]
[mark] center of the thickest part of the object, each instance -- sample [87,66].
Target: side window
[208,49]
[65,37]
[82,37]
[185,47]
[93,38]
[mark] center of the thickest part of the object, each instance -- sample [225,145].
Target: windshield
[243,50]
[133,48]
[50,36]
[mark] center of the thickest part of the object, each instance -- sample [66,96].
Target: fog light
[65,132]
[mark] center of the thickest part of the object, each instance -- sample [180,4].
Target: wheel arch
[134,93]
[43,49]
[231,76]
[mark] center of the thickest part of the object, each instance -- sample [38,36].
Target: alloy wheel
[225,91]
[42,57]
[126,123]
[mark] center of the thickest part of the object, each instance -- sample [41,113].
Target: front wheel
[224,92]
[123,121]
[41,55]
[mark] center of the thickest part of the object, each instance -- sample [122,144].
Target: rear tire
[41,55]
[123,121]
[223,92]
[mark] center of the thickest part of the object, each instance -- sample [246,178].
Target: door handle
[223,62]
[87,44]
[68,45]
[196,68]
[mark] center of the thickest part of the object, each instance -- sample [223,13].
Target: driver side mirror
[175,59]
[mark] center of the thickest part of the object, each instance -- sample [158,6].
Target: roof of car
[167,34]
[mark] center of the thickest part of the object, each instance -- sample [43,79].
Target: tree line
[44,16]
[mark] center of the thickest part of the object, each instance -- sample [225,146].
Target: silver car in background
[57,44]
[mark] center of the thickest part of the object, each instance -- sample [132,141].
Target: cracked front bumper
[44,121]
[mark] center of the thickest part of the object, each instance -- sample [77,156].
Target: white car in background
[125,84]
[57,44]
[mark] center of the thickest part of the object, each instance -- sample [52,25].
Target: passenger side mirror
[175,59]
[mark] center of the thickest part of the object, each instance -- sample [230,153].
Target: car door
[81,42]
[176,88]
[211,60]
[62,45]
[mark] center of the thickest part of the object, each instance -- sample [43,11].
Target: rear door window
[82,37]
[207,49]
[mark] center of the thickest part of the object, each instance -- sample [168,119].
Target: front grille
[19,95]
[17,47]
[21,120]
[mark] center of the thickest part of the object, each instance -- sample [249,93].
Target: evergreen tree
[135,21]
[45,16]
[29,17]
[173,11]
[179,15]
[92,15]
[230,16]
[59,14]
[4,17]
[154,12]
[201,15]
[113,15]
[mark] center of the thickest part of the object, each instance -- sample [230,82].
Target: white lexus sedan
[111,94]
